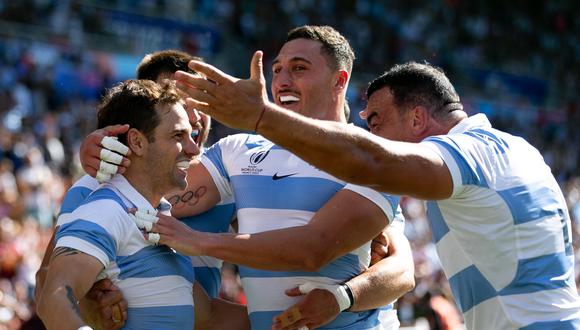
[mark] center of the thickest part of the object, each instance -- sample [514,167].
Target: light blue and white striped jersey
[274,189]
[156,281]
[503,236]
[215,220]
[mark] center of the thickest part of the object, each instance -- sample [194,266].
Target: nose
[282,79]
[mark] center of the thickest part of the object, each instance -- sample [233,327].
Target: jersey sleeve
[459,155]
[96,229]
[74,197]
[215,159]
[389,204]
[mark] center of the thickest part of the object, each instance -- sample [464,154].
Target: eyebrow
[293,59]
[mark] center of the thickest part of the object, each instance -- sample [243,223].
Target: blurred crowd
[517,65]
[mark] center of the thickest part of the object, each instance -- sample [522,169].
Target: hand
[379,248]
[318,307]
[104,307]
[91,153]
[167,230]
[234,102]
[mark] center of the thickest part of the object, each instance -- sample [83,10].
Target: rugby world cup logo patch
[258,157]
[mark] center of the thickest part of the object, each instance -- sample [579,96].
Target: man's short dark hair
[134,102]
[334,45]
[415,84]
[165,61]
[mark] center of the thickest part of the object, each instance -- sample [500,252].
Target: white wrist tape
[85,327]
[111,157]
[336,289]
[111,143]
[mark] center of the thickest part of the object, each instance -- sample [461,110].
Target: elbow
[408,282]
[41,307]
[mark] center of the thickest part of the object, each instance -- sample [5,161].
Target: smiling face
[303,81]
[170,152]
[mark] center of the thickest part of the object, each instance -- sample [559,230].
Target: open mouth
[288,99]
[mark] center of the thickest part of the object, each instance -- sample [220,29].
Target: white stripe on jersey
[258,220]
[172,287]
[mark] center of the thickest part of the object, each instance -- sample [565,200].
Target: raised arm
[58,305]
[346,152]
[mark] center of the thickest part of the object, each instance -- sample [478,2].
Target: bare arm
[200,195]
[209,313]
[335,230]
[388,279]
[346,152]
[381,284]
[43,270]
[58,304]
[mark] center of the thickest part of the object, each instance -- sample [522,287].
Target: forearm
[356,156]
[59,309]
[387,280]
[375,288]
[43,270]
[280,250]
[344,151]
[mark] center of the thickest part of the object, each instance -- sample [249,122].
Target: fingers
[288,317]
[145,219]
[110,298]
[211,72]
[104,285]
[196,93]
[111,157]
[257,67]
[153,238]
[199,105]
[294,292]
[117,315]
[113,144]
[115,130]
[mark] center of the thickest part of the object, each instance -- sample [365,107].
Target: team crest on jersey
[255,159]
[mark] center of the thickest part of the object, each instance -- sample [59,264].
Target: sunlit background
[516,61]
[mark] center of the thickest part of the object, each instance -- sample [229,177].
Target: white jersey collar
[132,195]
[475,121]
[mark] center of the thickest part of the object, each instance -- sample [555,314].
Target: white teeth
[289,98]
[183,164]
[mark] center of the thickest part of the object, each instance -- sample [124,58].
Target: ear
[419,120]
[137,141]
[341,79]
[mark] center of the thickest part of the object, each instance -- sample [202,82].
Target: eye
[178,137]
[276,70]
[299,68]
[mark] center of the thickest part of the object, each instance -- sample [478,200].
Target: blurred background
[516,61]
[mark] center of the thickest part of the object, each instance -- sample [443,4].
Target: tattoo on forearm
[190,197]
[64,251]
[71,297]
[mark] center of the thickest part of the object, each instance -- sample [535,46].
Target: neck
[143,184]
[337,112]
